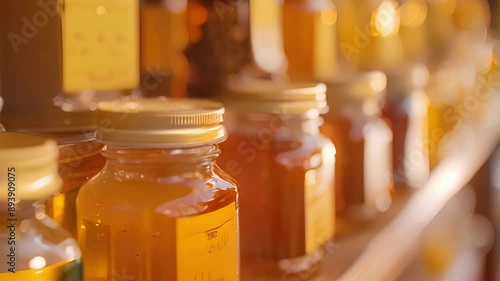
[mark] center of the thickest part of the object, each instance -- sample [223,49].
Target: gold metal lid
[265,96]
[29,165]
[160,122]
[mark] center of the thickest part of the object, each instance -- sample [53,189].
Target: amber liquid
[362,171]
[219,44]
[164,36]
[410,146]
[78,163]
[127,217]
[309,34]
[271,175]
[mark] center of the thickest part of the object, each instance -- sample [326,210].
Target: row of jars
[158,207]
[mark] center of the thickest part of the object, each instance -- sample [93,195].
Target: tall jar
[310,39]
[164,37]
[160,209]
[363,139]
[233,38]
[406,109]
[69,67]
[284,167]
[33,246]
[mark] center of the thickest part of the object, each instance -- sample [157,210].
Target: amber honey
[164,37]
[160,209]
[310,42]
[363,139]
[78,162]
[407,111]
[284,168]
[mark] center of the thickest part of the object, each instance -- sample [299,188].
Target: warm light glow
[329,17]
[101,10]
[385,20]
[413,13]
[444,7]
[37,262]
[379,82]
[176,7]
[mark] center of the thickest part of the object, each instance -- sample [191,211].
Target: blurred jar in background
[164,37]
[54,71]
[413,14]
[368,34]
[284,167]
[38,248]
[310,39]
[363,171]
[406,109]
[440,27]
[471,68]
[228,37]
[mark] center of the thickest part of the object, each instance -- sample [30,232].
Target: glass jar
[369,33]
[406,109]
[160,209]
[79,160]
[284,169]
[313,57]
[164,37]
[363,139]
[70,67]
[233,38]
[33,246]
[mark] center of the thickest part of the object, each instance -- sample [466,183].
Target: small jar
[407,110]
[363,139]
[33,246]
[160,209]
[284,167]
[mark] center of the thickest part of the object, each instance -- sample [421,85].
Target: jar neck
[138,162]
[277,124]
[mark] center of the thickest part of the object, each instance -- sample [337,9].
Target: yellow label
[319,202]
[62,271]
[207,246]
[100,45]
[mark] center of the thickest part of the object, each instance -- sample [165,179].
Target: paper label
[100,45]
[319,202]
[207,246]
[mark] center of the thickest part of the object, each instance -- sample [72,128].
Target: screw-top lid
[265,96]
[363,89]
[160,122]
[28,167]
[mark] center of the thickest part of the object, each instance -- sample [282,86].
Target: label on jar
[100,45]
[319,202]
[207,246]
